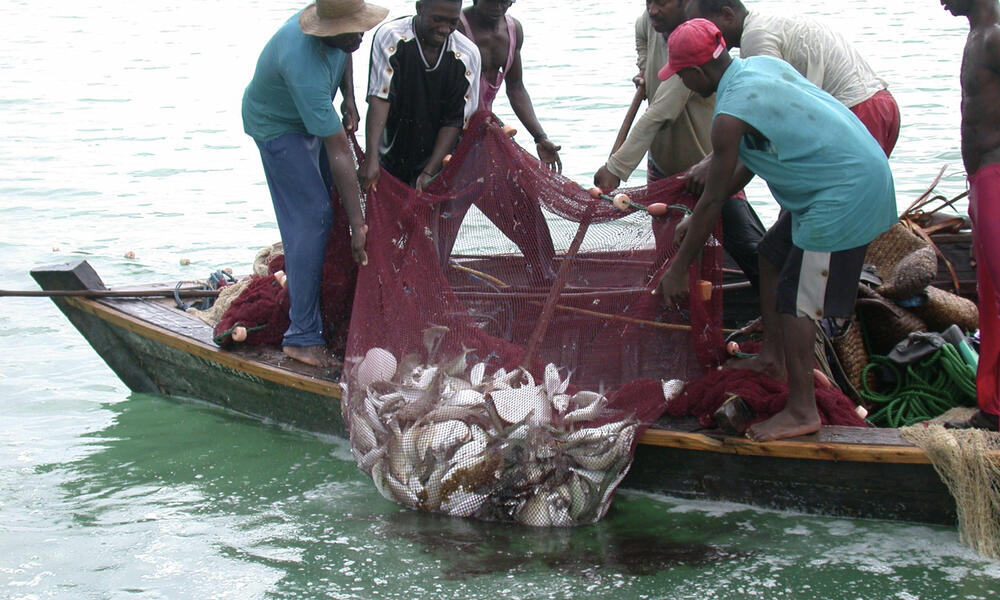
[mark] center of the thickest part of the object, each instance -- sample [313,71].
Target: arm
[668,103]
[641,49]
[369,170]
[348,107]
[447,137]
[525,111]
[341,160]
[726,134]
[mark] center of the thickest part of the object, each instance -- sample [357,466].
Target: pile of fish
[448,437]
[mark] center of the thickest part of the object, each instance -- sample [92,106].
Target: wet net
[505,352]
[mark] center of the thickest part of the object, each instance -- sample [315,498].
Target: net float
[704,288]
[621,202]
[446,159]
[821,380]
[595,193]
[185,261]
[510,131]
[732,348]
[281,278]
[657,209]
[239,333]
[130,255]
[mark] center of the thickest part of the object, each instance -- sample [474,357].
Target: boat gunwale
[794,448]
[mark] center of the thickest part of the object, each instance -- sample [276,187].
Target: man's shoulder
[464,48]
[400,28]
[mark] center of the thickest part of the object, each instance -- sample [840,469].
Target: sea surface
[120,132]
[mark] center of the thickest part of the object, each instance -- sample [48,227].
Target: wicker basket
[943,309]
[885,322]
[851,352]
[905,262]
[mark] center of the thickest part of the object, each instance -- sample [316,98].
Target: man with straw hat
[288,111]
[981,155]
[771,121]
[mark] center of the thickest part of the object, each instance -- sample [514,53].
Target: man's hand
[548,153]
[681,230]
[697,176]
[606,180]
[639,79]
[423,180]
[351,116]
[368,174]
[359,236]
[673,287]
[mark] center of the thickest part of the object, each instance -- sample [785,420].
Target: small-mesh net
[503,360]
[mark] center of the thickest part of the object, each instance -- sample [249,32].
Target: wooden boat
[846,471]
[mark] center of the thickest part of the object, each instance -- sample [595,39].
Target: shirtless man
[981,155]
[499,38]
[772,122]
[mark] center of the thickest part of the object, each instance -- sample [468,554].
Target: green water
[120,131]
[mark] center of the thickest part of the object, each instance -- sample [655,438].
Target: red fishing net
[505,350]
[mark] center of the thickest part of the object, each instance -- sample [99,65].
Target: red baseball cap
[692,44]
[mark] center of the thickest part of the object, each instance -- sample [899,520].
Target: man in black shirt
[423,85]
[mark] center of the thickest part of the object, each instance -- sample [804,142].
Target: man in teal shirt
[825,170]
[288,111]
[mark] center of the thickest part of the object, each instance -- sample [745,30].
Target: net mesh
[505,351]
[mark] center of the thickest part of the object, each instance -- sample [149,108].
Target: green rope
[922,391]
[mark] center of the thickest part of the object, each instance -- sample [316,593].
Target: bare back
[981,98]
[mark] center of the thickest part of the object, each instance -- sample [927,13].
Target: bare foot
[785,424]
[758,364]
[311,355]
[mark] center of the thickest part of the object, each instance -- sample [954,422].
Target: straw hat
[327,18]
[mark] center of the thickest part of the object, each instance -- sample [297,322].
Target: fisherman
[499,38]
[423,85]
[981,155]
[831,179]
[675,130]
[820,54]
[288,111]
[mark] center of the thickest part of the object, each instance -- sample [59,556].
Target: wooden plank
[315,383]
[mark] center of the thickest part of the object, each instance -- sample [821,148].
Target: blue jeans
[298,176]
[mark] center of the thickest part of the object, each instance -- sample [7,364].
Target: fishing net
[505,351]
[968,461]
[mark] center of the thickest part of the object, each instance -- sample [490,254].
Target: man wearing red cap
[674,130]
[288,111]
[817,52]
[981,154]
[825,170]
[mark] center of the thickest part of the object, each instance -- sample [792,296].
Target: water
[120,132]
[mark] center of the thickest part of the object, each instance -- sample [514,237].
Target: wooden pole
[164,293]
[633,110]
[557,287]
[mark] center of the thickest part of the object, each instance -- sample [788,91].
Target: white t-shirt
[820,54]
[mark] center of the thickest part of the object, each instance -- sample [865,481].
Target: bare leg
[311,355]
[800,416]
[771,360]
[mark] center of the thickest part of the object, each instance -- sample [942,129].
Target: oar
[109,293]
[633,110]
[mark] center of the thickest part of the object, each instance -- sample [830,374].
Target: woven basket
[851,352]
[910,275]
[885,322]
[889,248]
[943,309]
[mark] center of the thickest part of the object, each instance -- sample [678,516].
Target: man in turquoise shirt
[288,111]
[825,170]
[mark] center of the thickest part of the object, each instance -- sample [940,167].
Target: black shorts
[812,284]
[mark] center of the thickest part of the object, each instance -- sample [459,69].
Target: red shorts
[984,208]
[880,114]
